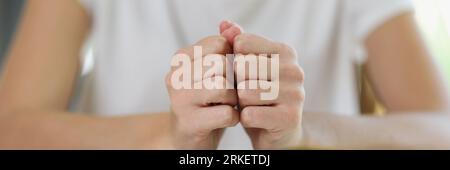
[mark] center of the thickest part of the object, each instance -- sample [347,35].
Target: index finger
[252,44]
[209,45]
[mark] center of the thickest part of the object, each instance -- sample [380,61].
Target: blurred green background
[433,17]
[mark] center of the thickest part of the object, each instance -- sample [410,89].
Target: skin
[200,121]
[37,85]
[38,81]
[408,83]
[324,130]
[276,123]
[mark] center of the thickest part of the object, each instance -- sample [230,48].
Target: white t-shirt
[134,41]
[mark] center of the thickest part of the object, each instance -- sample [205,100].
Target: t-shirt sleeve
[367,15]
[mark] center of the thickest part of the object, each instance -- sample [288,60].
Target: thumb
[230,30]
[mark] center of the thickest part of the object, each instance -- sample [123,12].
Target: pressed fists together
[200,116]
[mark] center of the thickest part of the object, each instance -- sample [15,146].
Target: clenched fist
[201,114]
[274,123]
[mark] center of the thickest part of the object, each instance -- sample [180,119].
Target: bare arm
[407,81]
[398,131]
[37,85]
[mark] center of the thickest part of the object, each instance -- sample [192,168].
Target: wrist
[319,131]
[298,139]
[155,132]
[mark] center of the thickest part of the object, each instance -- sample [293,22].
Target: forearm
[397,131]
[57,130]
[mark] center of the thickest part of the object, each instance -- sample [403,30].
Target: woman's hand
[271,124]
[200,115]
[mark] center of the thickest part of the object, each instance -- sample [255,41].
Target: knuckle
[247,117]
[297,94]
[228,116]
[294,72]
[239,46]
[215,97]
[183,51]
[242,37]
[240,42]
[287,49]
[246,97]
[231,97]
[215,41]
[167,79]
[220,40]
[180,51]
[301,94]
[292,115]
